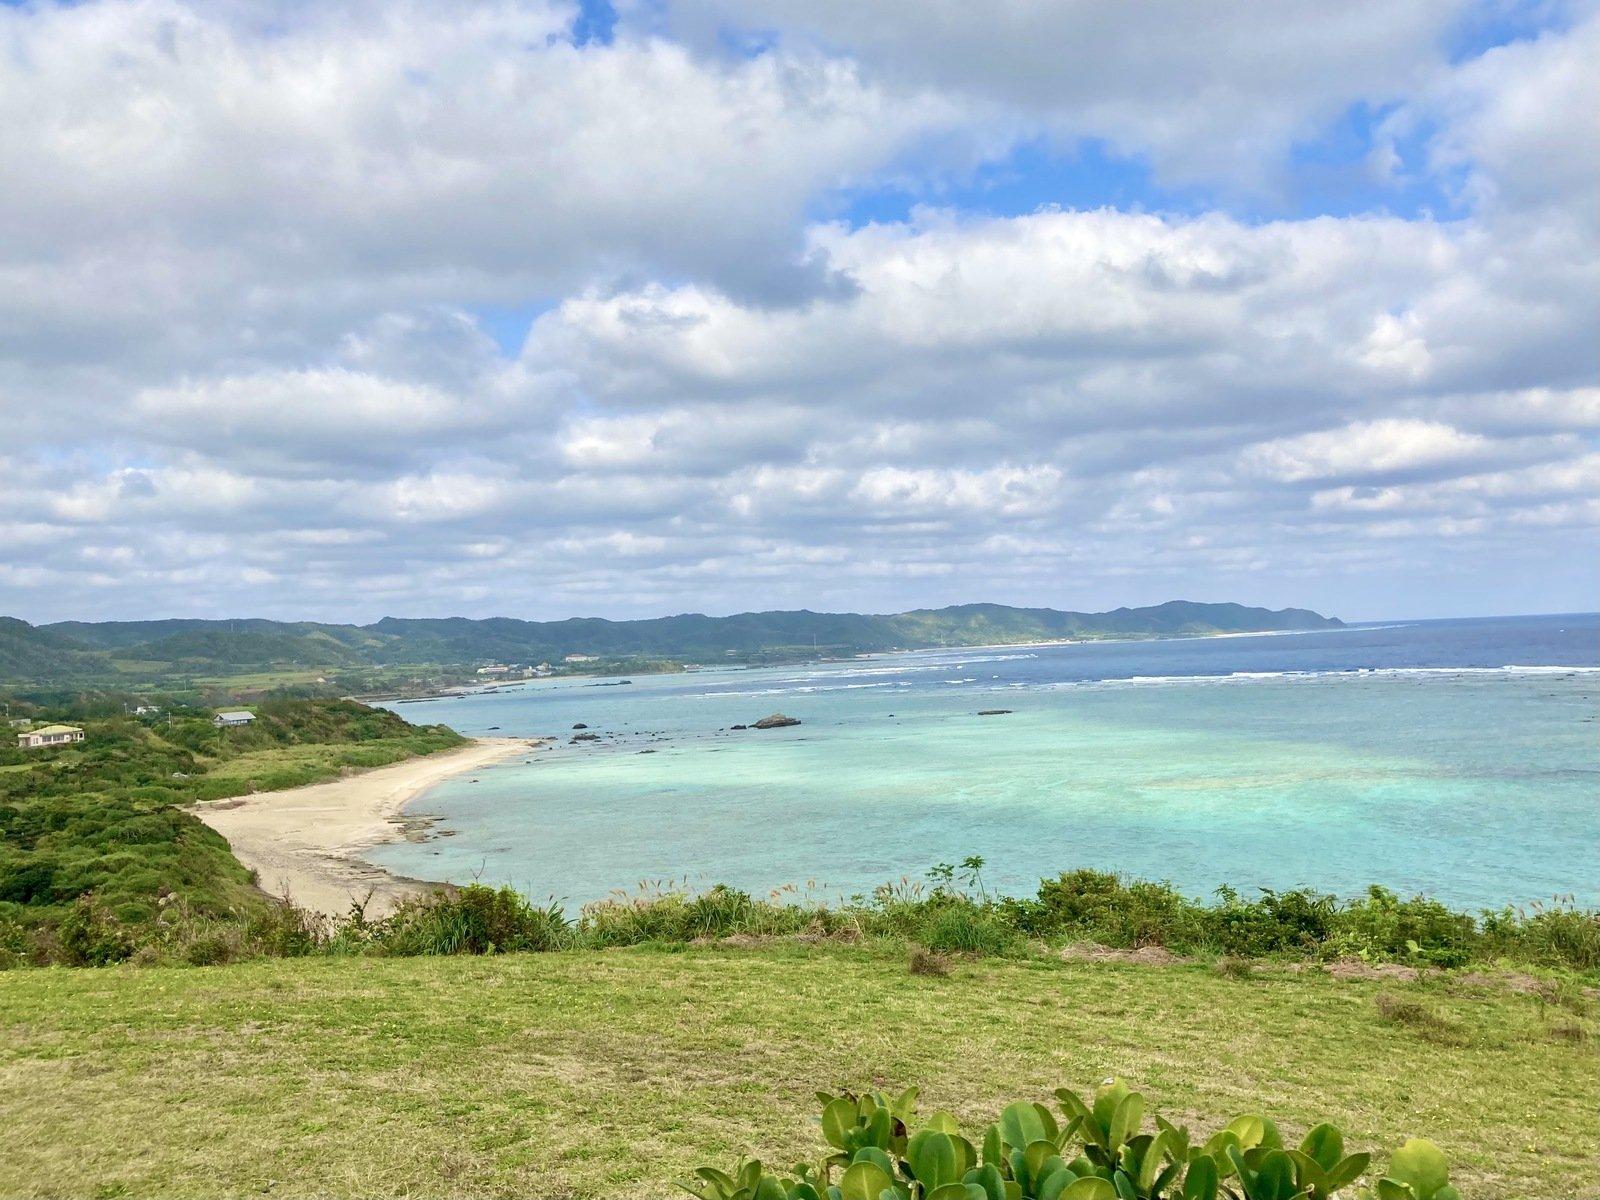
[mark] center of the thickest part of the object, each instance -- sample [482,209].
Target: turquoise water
[1452,758]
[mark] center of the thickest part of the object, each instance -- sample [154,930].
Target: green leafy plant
[1097,1150]
[1417,1171]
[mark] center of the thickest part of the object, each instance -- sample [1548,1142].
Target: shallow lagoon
[1455,758]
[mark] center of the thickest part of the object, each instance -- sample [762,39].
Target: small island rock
[775,721]
[993,712]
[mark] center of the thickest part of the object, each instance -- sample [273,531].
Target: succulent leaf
[1200,1183]
[1089,1188]
[933,1159]
[1421,1166]
[864,1181]
[1020,1125]
[1323,1145]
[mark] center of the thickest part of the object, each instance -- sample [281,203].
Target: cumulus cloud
[1376,449]
[1207,92]
[349,309]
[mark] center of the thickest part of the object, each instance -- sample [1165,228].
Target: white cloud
[1369,448]
[1208,92]
[265,273]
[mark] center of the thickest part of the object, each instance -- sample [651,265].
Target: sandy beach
[306,842]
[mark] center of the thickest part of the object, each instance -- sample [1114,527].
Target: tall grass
[1075,907]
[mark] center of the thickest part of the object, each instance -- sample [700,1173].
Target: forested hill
[76,648]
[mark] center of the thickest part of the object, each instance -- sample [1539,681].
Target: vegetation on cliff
[169,649]
[105,818]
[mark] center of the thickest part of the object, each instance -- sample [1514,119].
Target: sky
[342,310]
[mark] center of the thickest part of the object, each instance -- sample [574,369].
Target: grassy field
[590,1074]
[294,766]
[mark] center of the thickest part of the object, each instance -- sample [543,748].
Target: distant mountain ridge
[196,645]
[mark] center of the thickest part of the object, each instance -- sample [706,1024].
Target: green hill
[78,649]
[28,651]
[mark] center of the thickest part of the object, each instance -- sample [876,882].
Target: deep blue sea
[1454,758]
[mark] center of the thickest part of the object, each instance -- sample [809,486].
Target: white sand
[305,843]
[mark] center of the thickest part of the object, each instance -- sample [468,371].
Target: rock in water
[580,725]
[775,721]
[993,712]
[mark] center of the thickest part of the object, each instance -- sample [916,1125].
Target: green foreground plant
[1024,1155]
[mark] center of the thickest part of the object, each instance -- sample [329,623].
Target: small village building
[50,735]
[493,670]
[225,720]
[147,710]
[577,658]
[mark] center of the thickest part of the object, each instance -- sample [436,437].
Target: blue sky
[546,309]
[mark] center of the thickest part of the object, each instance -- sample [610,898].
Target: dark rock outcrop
[775,721]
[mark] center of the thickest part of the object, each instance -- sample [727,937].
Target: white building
[147,710]
[575,658]
[50,735]
[494,670]
[238,716]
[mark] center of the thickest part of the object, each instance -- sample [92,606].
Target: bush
[1382,926]
[1554,935]
[90,936]
[1294,921]
[966,928]
[1091,1151]
[469,920]
[1098,906]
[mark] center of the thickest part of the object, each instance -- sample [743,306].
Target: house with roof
[232,718]
[50,735]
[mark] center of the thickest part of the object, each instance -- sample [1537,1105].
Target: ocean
[1452,758]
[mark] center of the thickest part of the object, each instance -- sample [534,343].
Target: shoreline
[458,691]
[304,844]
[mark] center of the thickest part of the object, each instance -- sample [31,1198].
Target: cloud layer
[343,310]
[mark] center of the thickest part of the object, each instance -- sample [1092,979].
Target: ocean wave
[1347,673]
[797,691]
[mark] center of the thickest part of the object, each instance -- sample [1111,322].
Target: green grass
[292,766]
[601,1074]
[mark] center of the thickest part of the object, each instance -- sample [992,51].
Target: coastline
[305,843]
[457,691]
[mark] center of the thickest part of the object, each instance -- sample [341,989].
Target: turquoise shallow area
[1475,784]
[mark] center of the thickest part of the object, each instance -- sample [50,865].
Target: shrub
[1294,921]
[1098,906]
[90,936]
[1551,935]
[1383,926]
[469,920]
[15,945]
[1091,1151]
[966,928]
